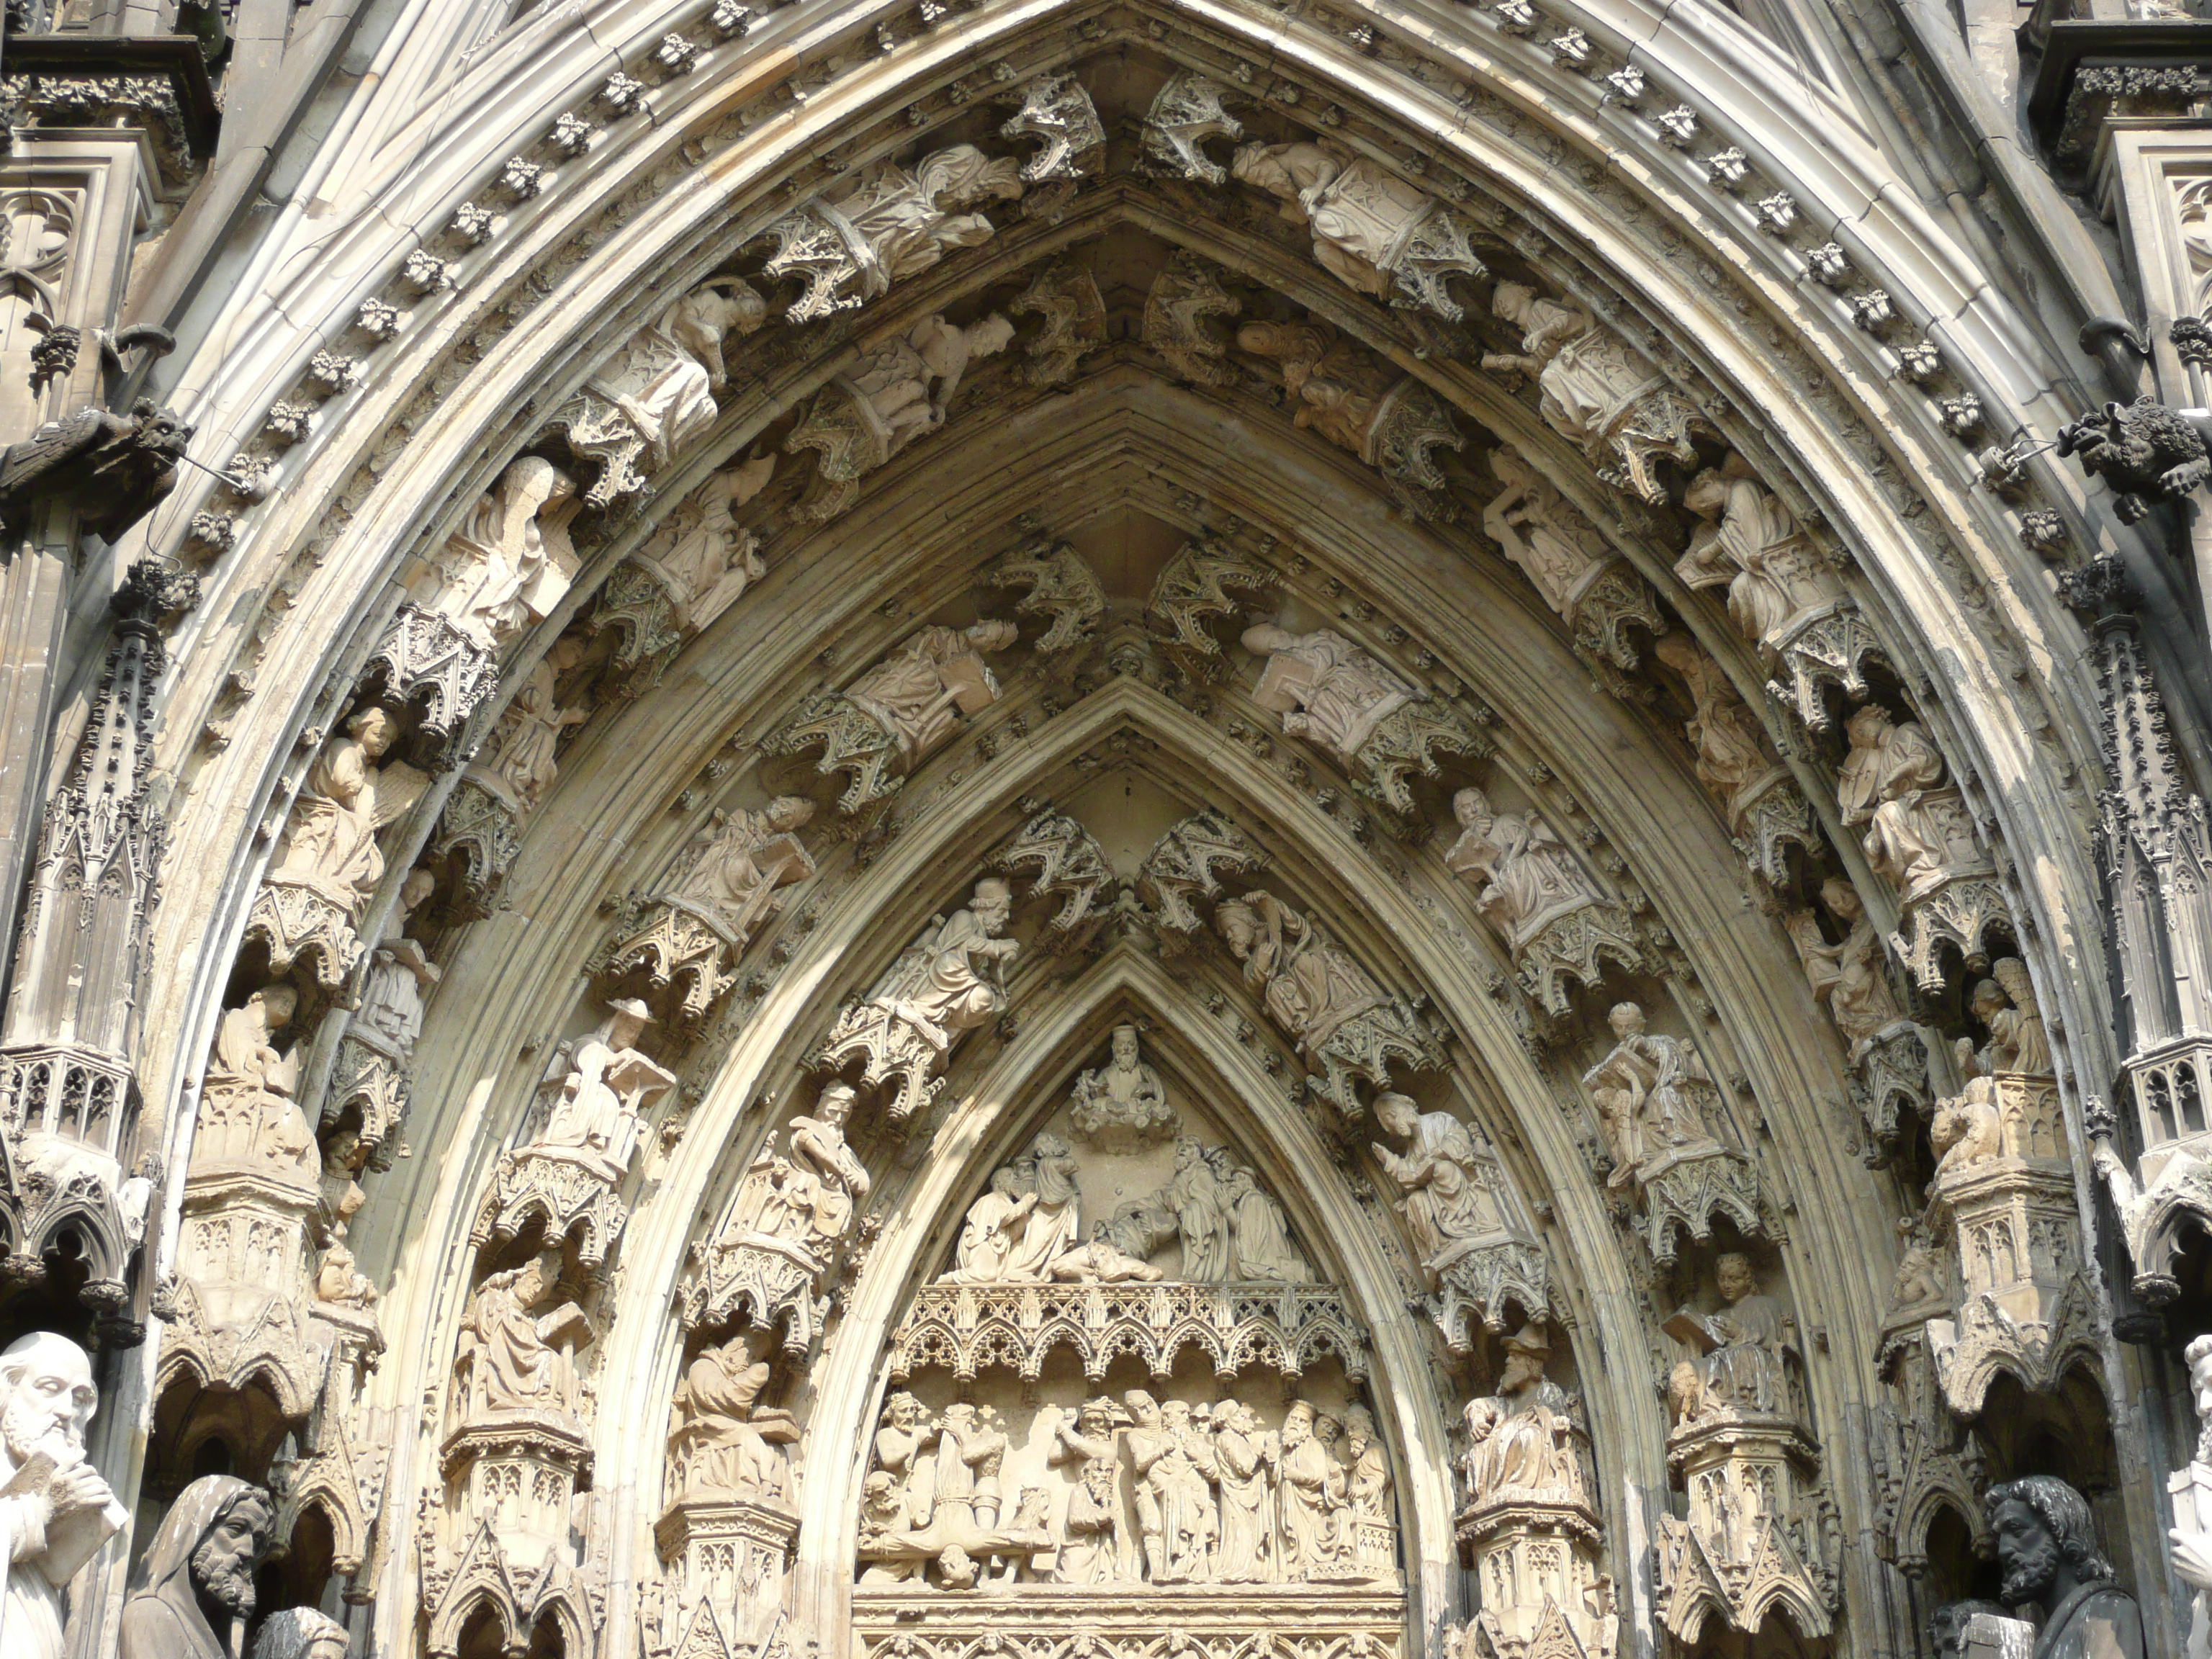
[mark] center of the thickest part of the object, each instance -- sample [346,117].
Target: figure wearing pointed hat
[609,1083]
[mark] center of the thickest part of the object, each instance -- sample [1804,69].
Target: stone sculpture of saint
[1749,541]
[1745,1344]
[1173,1463]
[1890,767]
[338,1281]
[399,972]
[330,841]
[909,385]
[1848,976]
[1122,1102]
[1244,1455]
[2046,1549]
[1540,531]
[1361,214]
[657,392]
[992,1230]
[1447,1202]
[1260,1234]
[1090,1538]
[722,1440]
[1325,687]
[954,978]
[1528,875]
[1310,1496]
[1366,1487]
[55,1509]
[1583,372]
[608,1084]
[709,559]
[2018,1041]
[1309,987]
[199,1568]
[526,744]
[1721,728]
[519,1361]
[300,1633]
[247,1112]
[906,221]
[511,559]
[1646,1092]
[1200,1208]
[919,693]
[747,859]
[903,1433]
[822,1162]
[1521,1440]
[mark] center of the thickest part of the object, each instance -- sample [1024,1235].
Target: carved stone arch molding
[501,238]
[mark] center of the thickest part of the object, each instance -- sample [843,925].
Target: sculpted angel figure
[919,692]
[1310,986]
[330,841]
[1848,976]
[1889,769]
[1645,1091]
[511,559]
[747,859]
[1540,531]
[1745,1344]
[1527,874]
[1325,687]
[1749,541]
[247,1111]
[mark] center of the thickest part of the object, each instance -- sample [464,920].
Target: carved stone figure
[1849,976]
[112,469]
[948,981]
[1745,1347]
[510,560]
[1576,571]
[302,1633]
[1030,1218]
[899,712]
[1174,1469]
[1310,1539]
[903,391]
[247,1113]
[1522,1441]
[1890,769]
[1472,1257]
[1749,541]
[696,566]
[200,1566]
[657,392]
[891,222]
[338,1281]
[2146,451]
[2190,1538]
[400,971]
[593,1116]
[328,864]
[1122,1104]
[1260,1234]
[1595,395]
[1243,1457]
[2046,1543]
[512,1359]
[2007,1006]
[1722,731]
[1648,1092]
[1371,229]
[722,1441]
[745,859]
[55,1509]
[1368,1512]
[1090,1536]
[1554,919]
[1360,404]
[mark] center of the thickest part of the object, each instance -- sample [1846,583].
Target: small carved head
[1626,1020]
[1842,899]
[1512,301]
[1525,1351]
[991,633]
[993,904]
[1988,998]
[416,888]
[46,1395]
[2041,1524]
[1125,1047]
[956,1569]
[835,1104]
[1734,1275]
[1238,927]
[1708,494]
[789,811]
[1869,727]
[901,1411]
[1472,808]
[1263,639]
[1143,1409]
[630,1018]
[1298,1424]
[374,729]
[1397,1114]
[990,336]
[1359,1430]
[276,1004]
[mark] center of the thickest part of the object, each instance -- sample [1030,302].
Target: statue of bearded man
[56,1510]
[199,1570]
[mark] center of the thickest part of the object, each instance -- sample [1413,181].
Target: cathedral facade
[1106,828]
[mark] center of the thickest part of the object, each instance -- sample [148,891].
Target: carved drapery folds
[1382,727]
[69,1116]
[772,1259]
[1762,1533]
[642,407]
[1478,1258]
[698,564]
[328,862]
[889,721]
[1766,811]
[1621,414]
[1920,835]
[1657,1104]
[687,938]
[1554,919]
[568,1175]
[1371,229]
[1390,419]
[949,982]
[1589,587]
[891,222]
[1884,1048]
[901,391]
[1529,1530]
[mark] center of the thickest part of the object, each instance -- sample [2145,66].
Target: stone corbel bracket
[1478,1279]
[529,1186]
